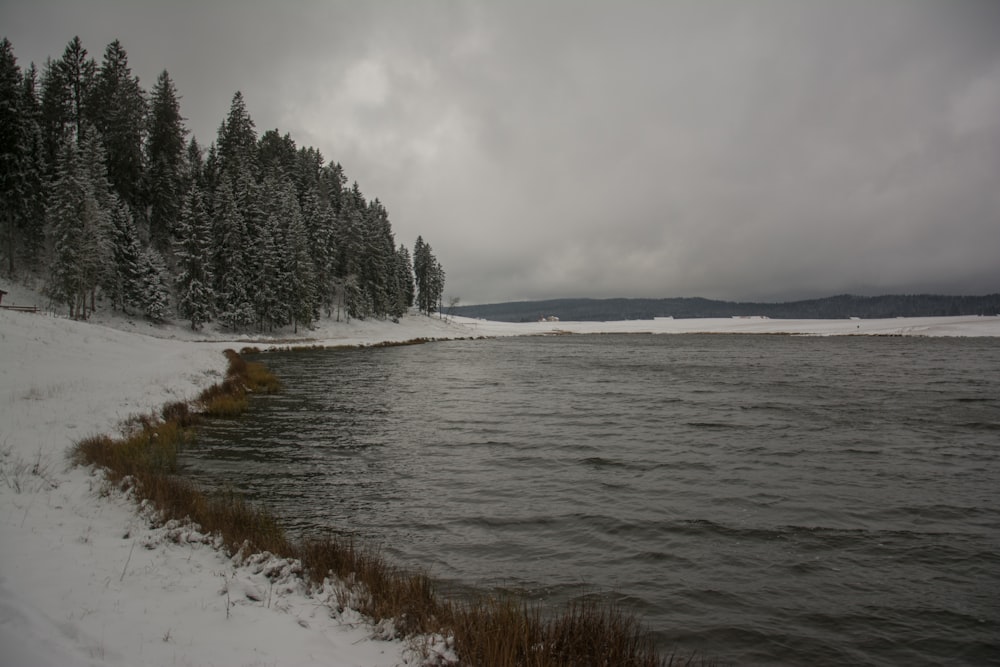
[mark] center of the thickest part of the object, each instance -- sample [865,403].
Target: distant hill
[830,308]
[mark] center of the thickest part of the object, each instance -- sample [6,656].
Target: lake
[757,499]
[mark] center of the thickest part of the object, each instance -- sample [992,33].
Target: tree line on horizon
[104,196]
[834,307]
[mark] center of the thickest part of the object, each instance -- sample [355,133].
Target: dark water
[758,499]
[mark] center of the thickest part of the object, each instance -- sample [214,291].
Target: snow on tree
[237,140]
[77,224]
[193,248]
[232,289]
[429,276]
[299,288]
[154,295]
[404,273]
[253,232]
[317,217]
[13,149]
[124,279]
[117,108]
[66,89]
[165,159]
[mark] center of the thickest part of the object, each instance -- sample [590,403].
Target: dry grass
[373,586]
[508,631]
[229,397]
[225,405]
[491,631]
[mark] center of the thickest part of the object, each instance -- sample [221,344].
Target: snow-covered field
[85,580]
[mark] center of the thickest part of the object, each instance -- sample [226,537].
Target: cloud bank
[758,150]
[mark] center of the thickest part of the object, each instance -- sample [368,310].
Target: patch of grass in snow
[20,474]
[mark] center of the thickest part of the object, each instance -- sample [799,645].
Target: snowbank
[85,580]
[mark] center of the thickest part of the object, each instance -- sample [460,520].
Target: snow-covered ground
[85,580]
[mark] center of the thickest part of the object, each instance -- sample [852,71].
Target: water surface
[760,499]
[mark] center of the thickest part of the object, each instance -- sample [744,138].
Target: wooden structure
[22,309]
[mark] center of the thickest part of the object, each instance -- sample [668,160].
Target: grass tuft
[374,587]
[179,412]
[507,631]
[260,380]
[229,397]
[225,405]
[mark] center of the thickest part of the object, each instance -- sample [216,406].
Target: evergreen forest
[105,197]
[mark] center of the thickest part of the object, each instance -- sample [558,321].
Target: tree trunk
[10,243]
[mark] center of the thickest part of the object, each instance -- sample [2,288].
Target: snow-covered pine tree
[318,220]
[237,140]
[437,286]
[155,295]
[378,254]
[13,151]
[124,279]
[404,275]
[422,262]
[98,260]
[22,171]
[194,169]
[32,218]
[165,159]
[299,286]
[66,85]
[117,108]
[429,275]
[232,289]
[76,222]
[192,249]
[277,154]
[266,277]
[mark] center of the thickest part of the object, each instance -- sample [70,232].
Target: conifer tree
[32,213]
[318,220]
[278,154]
[77,222]
[165,157]
[118,108]
[404,273]
[155,295]
[237,141]
[13,151]
[429,276]
[66,89]
[267,276]
[299,293]
[193,248]
[232,290]
[125,279]
[194,168]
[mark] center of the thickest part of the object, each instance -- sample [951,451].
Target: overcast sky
[736,150]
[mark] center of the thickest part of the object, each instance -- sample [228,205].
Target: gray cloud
[766,149]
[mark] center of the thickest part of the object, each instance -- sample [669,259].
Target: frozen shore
[84,580]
